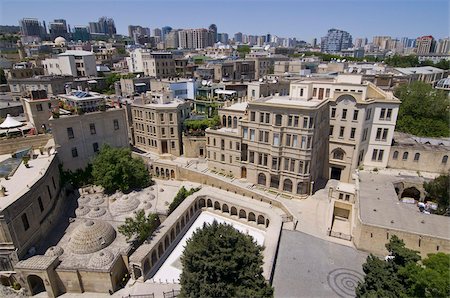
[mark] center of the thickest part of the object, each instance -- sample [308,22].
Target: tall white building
[195,38]
[72,63]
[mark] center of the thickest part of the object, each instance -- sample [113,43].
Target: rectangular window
[365,131]
[385,133]
[39,107]
[161,117]
[331,130]
[265,160]
[288,140]
[116,124]
[305,122]
[95,146]
[294,141]
[368,115]
[276,139]
[374,154]
[300,167]
[74,152]
[311,122]
[382,114]
[238,146]
[380,155]
[92,128]
[261,117]
[296,119]
[222,144]
[355,115]
[252,135]
[290,120]
[252,116]
[292,167]
[245,133]
[70,132]
[327,93]
[314,92]
[267,118]
[222,157]
[278,119]
[378,136]
[303,142]
[172,143]
[251,157]
[352,133]
[274,163]
[301,92]
[389,114]
[170,117]
[172,131]
[344,114]
[341,132]
[26,224]
[286,164]
[333,112]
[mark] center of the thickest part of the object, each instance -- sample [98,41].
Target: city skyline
[400,18]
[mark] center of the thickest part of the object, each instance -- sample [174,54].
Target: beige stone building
[234,71]
[38,109]
[157,123]
[79,137]
[266,88]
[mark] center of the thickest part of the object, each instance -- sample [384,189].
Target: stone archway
[411,192]
[36,284]
[242,213]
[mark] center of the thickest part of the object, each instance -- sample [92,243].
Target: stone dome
[83,200]
[124,204]
[91,236]
[101,259]
[97,212]
[146,205]
[54,251]
[97,200]
[59,41]
[82,210]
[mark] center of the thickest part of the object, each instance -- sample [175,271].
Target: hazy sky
[303,19]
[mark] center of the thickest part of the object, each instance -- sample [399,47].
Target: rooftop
[290,101]
[380,206]
[240,106]
[76,53]
[419,70]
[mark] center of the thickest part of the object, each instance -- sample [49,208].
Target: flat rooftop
[379,206]
[241,106]
[290,101]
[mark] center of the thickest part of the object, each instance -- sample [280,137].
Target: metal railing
[140,296]
[171,294]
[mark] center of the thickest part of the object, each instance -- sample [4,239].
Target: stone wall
[14,144]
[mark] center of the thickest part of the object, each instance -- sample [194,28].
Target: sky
[303,19]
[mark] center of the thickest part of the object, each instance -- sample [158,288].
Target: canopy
[10,122]
[227,92]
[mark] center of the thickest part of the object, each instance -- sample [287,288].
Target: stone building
[266,88]
[54,85]
[38,108]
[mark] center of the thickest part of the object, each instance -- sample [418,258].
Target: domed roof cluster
[82,210]
[91,236]
[97,212]
[125,204]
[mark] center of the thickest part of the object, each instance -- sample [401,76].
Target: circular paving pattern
[83,200]
[101,259]
[344,281]
[54,251]
[125,204]
[97,212]
[91,236]
[82,210]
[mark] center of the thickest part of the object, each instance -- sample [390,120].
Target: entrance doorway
[335,173]
[243,172]
[36,284]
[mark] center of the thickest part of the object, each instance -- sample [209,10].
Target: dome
[146,205]
[91,236]
[82,210]
[125,204]
[97,212]
[97,200]
[54,251]
[443,84]
[101,259]
[83,200]
[60,41]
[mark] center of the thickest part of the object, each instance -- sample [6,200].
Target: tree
[402,256]
[180,196]
[115,168]
[140,227]
[438,189]
[423,110]
[219,261]
[2,76]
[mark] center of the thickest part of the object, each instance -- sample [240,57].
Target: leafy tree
[115,168]
[243,50]
[180,196]
[219,261]
[2,76]
[79,178]
[438,189]
[140,227]
[423,110]
[402,61]
[402,256]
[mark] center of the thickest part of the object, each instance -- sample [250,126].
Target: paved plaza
[311,267]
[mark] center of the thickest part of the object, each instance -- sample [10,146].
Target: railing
[339,235]
[140,296]
[171,294]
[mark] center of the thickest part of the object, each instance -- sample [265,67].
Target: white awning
[92,82]
[227,92]
[10,122]
[140,84]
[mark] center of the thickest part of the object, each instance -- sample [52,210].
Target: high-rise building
[164,31]
[314,42]
[425,45]
[213,28]
[81,33]
[30,27]
[238,37]
[171,40]
[335,41]
[139,34]
[157,32]
[58,28]
[381,41]
[103,26]
[360,42]
[222,37]
[442,46]
[195,38]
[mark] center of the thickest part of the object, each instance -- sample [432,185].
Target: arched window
[229,121]
[338,154]
[287,185]
[445,159]
[405,155]
[261,179]
[416,156]
[302,188]
[234,122]
[224,120]
[395,155]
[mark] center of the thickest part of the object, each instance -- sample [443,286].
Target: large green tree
[404,275]
[182,194]
[423,111]
[115,169]
[219,261]
[140,227]
[438,190]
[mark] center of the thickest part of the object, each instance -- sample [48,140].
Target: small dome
[146,205]
[54,251]
[97,201]
[83,200]
[91,236]
[97,212]
[101,259]
[60,41]
[125,204]
[82,210]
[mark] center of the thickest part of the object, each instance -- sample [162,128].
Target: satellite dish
[138,76]
[261,80]
[209,83]
[204,82]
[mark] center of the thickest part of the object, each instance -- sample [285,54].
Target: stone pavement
[311,267]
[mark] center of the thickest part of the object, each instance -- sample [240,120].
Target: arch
[160,250]
[261,220]
[262,179]
[216,205]
[229,121]
[187,217]
[302,188]
[191,211]
[166,242]
[405,155]
[154,258]
[182,222]
[242,213]
[338,153]
[267,223]
[209,203]
[157,171]
[411,192]
[345,97]
[172,235]
[234,122]
[244,172]
[395,155]
[225,208]
[416,157]
[444,159]
[224,121]
[146,266]
[172,174]
[251,216]
[167,173]
[233,211]
[287,185]
[162,172]
[36,284]
[201,203]
[177,229]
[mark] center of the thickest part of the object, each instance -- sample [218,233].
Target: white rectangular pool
[170,270]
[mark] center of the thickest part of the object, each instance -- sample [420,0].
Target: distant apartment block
[72,63]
